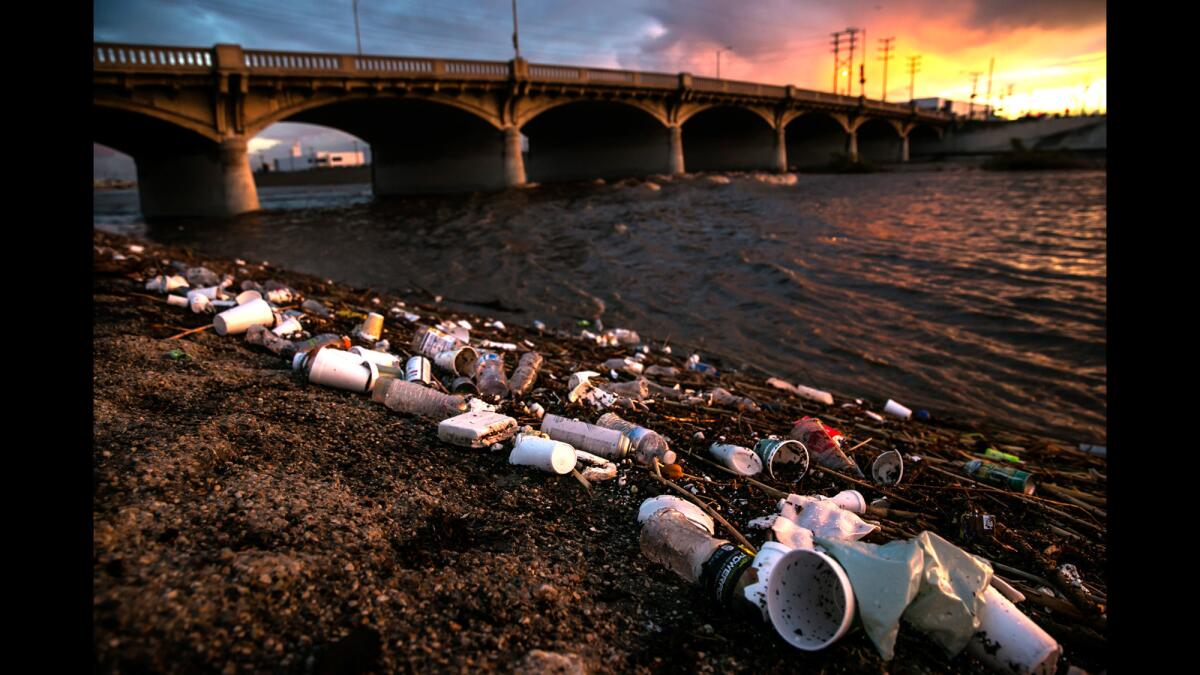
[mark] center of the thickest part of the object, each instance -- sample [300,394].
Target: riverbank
[245,519]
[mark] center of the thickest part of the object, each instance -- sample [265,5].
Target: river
[959,291]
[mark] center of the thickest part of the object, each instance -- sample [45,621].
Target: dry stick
[189,332]
[1096,500]
[1053,489]
[708,509]
[865,484]
[1020,495]
[860,445]
[770,491]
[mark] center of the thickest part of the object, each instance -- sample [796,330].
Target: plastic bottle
[525,374]
[671,540]
[322,340]
[645,443]
[608,443]
[408,397]
[1000,476]
[265,337]
[489,375]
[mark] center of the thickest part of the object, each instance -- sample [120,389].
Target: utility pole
[887,56]
[516,32]
[991,65]
[974,83]
[850,68]
[357,37]
[727,48]
[837,60]
[914,67]
[862,68]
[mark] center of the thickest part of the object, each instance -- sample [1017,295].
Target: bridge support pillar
[677,163]
[904,148]
[781,164]
[514,161]
[852,145]
[214,182]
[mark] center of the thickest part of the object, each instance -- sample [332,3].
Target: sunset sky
[1052,54]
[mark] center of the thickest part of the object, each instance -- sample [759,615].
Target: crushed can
[1000,476]
[418,369]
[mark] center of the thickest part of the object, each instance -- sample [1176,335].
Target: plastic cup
[888,468]
[768,555]
[291,325]
[693,513]
[237,320]
[788,451]
[851,500]
[543,453]
[377,357]
[372,326]
[342,370]
[1009,641]
[809,599]
[741,460]
[457,361]
[896,410]
[248,296]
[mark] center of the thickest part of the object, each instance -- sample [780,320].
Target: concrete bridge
[185,115]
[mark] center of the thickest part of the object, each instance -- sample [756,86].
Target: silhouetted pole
[887,56]
[516,31]
[974,84]
[727,48]
[914,66]
[850,68]
[357,37]
[837,60]
[991,65]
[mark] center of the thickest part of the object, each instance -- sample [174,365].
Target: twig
[578,476]
[860,445]
[190,331]
[708,509]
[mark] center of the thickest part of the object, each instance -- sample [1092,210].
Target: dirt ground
[245,520]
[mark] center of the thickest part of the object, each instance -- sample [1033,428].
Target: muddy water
[960,291]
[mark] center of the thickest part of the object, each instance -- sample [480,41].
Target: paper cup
[177,300]
[372,326]
[741,460]
[888,468]
[457,361]
[1009,641]
[851,500]
[809,599]
[786,451]
[248,296]
[768,555]
[694,513]
[291,325]
[376,357]
[342,370]
[896,410]
[543,453]
[238,319]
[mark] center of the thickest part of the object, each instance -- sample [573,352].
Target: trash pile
[930,524]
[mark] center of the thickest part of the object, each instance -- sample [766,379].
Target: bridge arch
[814,140]
[300,105]
[729,138]
[419,145]
[594,138]
[925,140]
[880,141]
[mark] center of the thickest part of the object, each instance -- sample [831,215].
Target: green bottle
[1000,476]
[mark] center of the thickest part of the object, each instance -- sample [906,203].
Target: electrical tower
[887,56]
[850,67]
[914,67]
[837,58]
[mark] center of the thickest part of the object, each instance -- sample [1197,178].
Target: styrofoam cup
[377,357]
[851,500]
[543,453]
[237,320]
[896,410]
[289,326]
[888,468]
[694,513]
[342,370]
[809,599]
[457,361]
[741,460]
[764,562]
[1009,641]
[248,296]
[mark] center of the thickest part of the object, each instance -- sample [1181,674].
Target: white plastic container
[809,599]
[1008,641]
[341,370]
[851,500]
[741,460]
[288,327]
[896,410]
[457,361]
[888,468]
[248,296]
[544,453]
[376,357]
[237,320]
[608,443]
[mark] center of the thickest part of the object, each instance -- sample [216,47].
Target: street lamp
[727,48]
[516,42]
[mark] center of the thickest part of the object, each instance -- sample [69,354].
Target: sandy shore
[245,520]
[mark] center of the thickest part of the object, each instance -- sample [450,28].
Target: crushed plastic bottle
[490,377]
[724,397]
[265,337]
[646,444]
[525,374]
[626,365]
[608,443]
[408,397]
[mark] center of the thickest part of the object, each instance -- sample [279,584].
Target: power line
[837,60]
[850,70]
[887,56]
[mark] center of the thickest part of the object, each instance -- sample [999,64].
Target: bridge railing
[149,57]
[552,73]
[736,87]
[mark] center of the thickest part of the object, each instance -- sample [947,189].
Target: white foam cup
[888,468]
[342,370]
[289,326]
[896,410]
[237,320]
[543,453]
[741,460]
[693,513]
[377,357]
[809,599]
[851,500]
[457,361]
[768,555]
[248,296]
[1009,641]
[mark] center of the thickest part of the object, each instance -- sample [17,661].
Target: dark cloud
[1037,13]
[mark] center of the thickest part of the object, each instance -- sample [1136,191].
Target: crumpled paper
[800,518]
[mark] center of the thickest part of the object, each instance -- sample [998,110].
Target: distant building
[958,108]
[298,161]
[336,159]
